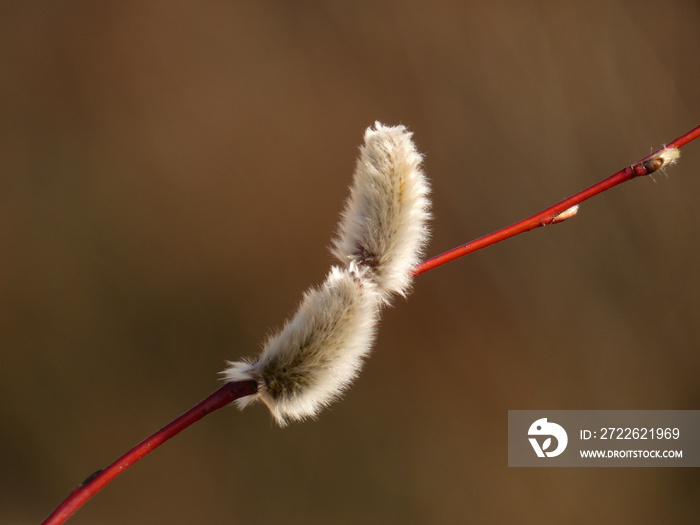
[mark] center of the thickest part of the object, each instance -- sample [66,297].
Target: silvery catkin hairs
[384,224]
[383,229]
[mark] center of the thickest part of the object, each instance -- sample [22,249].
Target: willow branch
[237,389]
[556,213]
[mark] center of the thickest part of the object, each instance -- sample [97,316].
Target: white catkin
[312,360]
[383,225]
[670,156]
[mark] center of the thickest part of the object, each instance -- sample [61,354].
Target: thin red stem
[232,391]
[222,397]
[548,215]
[685,138]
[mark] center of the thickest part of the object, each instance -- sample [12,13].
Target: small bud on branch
[566,214]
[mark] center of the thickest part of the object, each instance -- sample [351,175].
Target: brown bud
[653,164]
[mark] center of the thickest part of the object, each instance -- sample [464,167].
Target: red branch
[232,391]
[88,488]
[548,216]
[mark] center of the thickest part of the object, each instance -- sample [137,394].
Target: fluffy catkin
[319,351]
[383,225]
[316,355]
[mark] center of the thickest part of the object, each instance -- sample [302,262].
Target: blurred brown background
[171,176]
